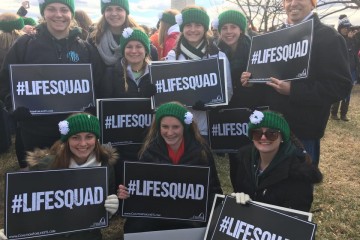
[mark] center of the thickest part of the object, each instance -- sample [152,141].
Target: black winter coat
[286,182]
[158,153]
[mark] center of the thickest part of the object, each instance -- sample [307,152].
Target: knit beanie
[79,123]
[9,26]
[234,17]
[343,22]
[130,34]
[121,3]
[174,110]
[44,3]
[192,15]
[29,21]
[269,119]
[167,17]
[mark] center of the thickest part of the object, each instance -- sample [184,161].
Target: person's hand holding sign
[122,192]
[245,76]
[281,86]
[241,198]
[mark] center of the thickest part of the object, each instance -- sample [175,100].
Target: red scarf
[175,157]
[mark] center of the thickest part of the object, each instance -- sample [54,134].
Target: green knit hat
[193,15]
[167,17]
[130,34]
[232,16]
[269,119]
[44,3]
[79,123]
[174,110]
[29,21]
[9,26]
[121,3]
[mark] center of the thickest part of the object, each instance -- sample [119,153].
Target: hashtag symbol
[158,87]
[254,57]
[108,122]
[215,130]
[132,187]
[20,88]
[17,203]
[224,224]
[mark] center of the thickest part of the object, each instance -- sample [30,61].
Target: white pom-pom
[106,1]
[160,15]
[188,118]
[179,19]
[256,117]
[127,32]
[64,127]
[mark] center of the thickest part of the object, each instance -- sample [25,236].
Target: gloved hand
[149,90]
[199,106]
[241,197]
[2,235]
[21,114]
[112,204]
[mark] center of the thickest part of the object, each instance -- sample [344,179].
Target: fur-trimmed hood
[42,158]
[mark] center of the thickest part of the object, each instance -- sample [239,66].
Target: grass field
[336,207]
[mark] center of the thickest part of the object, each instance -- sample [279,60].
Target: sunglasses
[270,134]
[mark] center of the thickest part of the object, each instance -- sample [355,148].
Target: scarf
[190,52]
[90,162]
[175,157]
[108,49]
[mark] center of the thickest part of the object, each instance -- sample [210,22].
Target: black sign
[165,190]
[41,203]
[253,221]
[189,81]
[283,54]
[124,121]
[52,88]
[228,128]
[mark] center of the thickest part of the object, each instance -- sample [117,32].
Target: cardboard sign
[165,191]
[236,221]
[189,81]
[52,88]
[41,203]
[283,54]
[124,121]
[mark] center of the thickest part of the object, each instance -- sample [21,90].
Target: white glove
[2,235]
[241,197]
[112,204]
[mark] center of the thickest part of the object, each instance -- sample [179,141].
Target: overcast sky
[146,11]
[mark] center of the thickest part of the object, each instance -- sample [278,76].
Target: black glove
[21,114]
[149,90]
[199,106]
[91,110]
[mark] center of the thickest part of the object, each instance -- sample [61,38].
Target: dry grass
[336,204]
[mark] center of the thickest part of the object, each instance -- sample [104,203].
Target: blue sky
[146,11]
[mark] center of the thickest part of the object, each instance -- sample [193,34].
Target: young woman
[168,31]
[56,42]
[78,147]
[106,35]
[130,78]
[195,43]
[173,139]
[275,169]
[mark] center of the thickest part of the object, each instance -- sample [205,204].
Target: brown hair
[8,38]
[164,27]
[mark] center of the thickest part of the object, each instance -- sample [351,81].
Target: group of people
[278,168]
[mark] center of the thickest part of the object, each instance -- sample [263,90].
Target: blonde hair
[164,27]
[8,38]
[154,133]
[102,26]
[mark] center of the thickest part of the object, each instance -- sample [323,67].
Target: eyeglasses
[270,134]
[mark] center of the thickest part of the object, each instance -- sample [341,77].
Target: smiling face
[58,17]
[194,33]
[267,146]
[134,52]
[172,131]
[297,10]
[115,16]
[82,145]
[230,34]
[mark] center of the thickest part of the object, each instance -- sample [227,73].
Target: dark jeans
[312,146]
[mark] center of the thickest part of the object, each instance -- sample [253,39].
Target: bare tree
[269,13]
